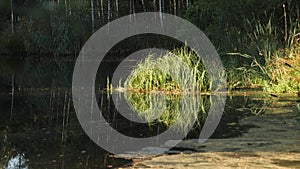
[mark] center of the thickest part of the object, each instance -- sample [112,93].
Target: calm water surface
[39,127]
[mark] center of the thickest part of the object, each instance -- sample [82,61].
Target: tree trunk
[133,7]
[70,8]
[102,9]
[12,17]
[66,7]
[144,7]
[130,6]
[108,11]
[160,13]
[98,11]
[175,7]
[92,16]
[117,8]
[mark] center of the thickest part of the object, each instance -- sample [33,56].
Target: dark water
[37,137]
[40,129]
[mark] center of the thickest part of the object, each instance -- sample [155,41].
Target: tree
[93,16]
[12,17]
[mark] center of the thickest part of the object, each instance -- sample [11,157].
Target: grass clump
[269,64]
[284,66]
[285,72]
[252,75]
[166,89]
[179,71]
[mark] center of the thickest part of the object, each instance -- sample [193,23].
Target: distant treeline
[57,27]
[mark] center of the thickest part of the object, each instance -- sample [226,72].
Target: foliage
[285,72]
[242,28]
[179,71]
[64,34]
[260,29]
[44,27]
[248,75]
[11,44]
[278,69]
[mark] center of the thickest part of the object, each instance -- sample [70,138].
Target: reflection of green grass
[178,71]
[177,111]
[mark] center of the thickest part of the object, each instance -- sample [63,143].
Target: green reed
[179,71]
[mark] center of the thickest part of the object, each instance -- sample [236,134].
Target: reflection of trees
[42,120]
[10,158]
[45,84]
[30,72]
[47,133]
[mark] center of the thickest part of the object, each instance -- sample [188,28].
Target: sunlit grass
[285,72]
[284,67]
[276,65]
[179,71]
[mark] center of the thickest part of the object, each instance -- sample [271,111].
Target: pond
[39,127]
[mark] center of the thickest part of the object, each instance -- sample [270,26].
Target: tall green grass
[284,66]
[270,64]
[179,71]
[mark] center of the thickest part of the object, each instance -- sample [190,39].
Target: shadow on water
[44,131]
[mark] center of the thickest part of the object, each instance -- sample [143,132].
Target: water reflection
[19,161]
[179,112]
[45,127]
[44,131]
